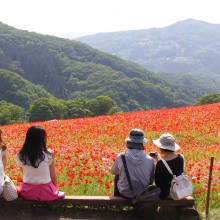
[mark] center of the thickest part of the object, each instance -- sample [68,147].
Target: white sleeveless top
[2,173]
[40,175]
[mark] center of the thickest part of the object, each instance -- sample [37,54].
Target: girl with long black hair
[37,163]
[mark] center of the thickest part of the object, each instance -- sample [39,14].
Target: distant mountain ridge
[69,69]
[188,46]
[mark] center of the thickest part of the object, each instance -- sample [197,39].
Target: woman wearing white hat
[167,147]
[140,167]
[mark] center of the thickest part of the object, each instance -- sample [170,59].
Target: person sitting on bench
[167,146]
[139,164]
[37,163]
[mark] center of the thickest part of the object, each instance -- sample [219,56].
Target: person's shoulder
[149,157]
[180,157]
[120,154]
[159,163]
[50,153]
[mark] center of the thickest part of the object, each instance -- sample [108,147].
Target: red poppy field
[85,148]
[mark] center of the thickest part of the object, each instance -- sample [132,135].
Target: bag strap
[167,166]
[126,171]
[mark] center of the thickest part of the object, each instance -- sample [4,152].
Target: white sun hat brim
[174,147]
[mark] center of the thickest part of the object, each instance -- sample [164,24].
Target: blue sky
[61,17]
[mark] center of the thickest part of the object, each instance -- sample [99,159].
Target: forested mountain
[17,90]
[188,46]
[69,69]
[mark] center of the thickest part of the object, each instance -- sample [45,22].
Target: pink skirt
[41,192]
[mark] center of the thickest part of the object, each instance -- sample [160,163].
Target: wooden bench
[146,209]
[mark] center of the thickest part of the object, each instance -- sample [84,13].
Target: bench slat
[100,201]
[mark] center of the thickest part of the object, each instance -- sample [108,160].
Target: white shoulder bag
[181,185]
[7,187]
[9,190]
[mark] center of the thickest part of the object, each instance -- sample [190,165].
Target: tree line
[44,109]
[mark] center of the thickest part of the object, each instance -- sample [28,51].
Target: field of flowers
[86,148]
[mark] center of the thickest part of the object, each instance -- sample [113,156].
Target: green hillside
[69,69]
[19,91]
